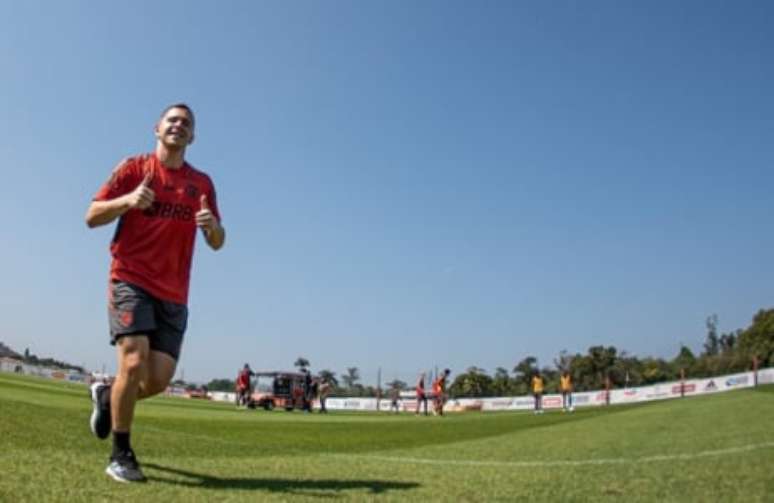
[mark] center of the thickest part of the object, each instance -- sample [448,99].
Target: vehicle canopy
[278,383]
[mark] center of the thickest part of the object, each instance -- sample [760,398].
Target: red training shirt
[243,379]
[152,248]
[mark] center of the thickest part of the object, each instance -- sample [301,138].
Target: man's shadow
[308,487]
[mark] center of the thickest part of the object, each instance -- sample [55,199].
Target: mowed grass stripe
[565,463]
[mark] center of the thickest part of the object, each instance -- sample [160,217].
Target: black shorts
[133,311]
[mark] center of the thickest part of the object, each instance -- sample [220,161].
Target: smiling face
[175,129]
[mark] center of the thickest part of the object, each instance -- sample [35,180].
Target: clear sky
[404,184]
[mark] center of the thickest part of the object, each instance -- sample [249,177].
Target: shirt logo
[191,191]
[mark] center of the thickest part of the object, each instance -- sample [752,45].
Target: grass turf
[711,448]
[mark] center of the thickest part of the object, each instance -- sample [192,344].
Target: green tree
[221,385]
[684,360]
[758,339]
[301,363]
[563,361]
[351,378]
[727,342]
[329,376]
[501,382]
[523,372]
[396,384]
[712,345]
[474,382]
[656,370]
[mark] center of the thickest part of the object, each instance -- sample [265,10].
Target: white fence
[661,391]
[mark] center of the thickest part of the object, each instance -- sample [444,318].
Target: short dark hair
[184,106]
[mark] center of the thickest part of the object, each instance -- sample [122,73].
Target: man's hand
[143,196]
[205,219]
[104,212]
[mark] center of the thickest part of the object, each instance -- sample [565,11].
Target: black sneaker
[100,415]
[125,468]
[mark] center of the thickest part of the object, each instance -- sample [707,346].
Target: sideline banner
[766,376]
[661,391]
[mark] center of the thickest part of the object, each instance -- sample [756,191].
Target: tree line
[725,353]
[33,359]
[722,353]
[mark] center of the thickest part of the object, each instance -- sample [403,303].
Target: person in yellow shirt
[565,386]
[537,391]
[439,392]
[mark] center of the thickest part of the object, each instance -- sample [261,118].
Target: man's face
[175,129]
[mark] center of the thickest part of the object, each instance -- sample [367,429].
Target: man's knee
[133,358]
[161,369]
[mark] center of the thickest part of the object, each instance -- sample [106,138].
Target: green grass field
[713,448]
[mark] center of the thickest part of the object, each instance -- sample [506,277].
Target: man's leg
[142,373]
[133,353]
[161,370]
[133,359]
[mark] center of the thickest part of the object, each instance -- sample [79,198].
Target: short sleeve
[212,199]
[123,179]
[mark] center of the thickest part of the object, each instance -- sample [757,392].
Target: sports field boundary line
[560,463]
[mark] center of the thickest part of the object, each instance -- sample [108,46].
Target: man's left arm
[214,233]
[215,236]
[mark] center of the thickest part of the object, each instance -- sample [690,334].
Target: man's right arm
[104,212]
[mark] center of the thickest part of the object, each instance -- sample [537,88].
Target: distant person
[307,390]
[537,391]
[243,385]
[395,400]
[420,392]
[323,393]
[159,200]
[565,387]
[314,391]
[439,392]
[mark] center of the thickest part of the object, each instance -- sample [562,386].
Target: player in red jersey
[243,385]
[159,201]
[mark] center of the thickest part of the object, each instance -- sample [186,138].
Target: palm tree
[330,377]
[396,384]
[352,377]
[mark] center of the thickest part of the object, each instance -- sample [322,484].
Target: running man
[159,200]
[565,386]
[537,391]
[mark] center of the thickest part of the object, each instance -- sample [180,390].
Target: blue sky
[404,184]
